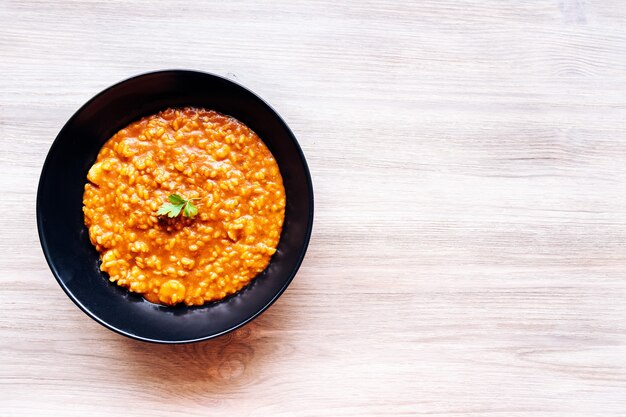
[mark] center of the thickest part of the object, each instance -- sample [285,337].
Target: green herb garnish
[176,205]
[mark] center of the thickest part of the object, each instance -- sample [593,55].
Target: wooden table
[469,247]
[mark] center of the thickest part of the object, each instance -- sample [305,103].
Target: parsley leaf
[171,210]
[190,210]
[176,205]
[176,199]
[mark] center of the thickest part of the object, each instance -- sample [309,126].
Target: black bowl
[65,239]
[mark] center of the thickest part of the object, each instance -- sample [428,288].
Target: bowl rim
[46,249]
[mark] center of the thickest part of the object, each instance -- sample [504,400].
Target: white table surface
[469,247]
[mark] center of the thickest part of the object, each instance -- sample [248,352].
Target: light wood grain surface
[469,247]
